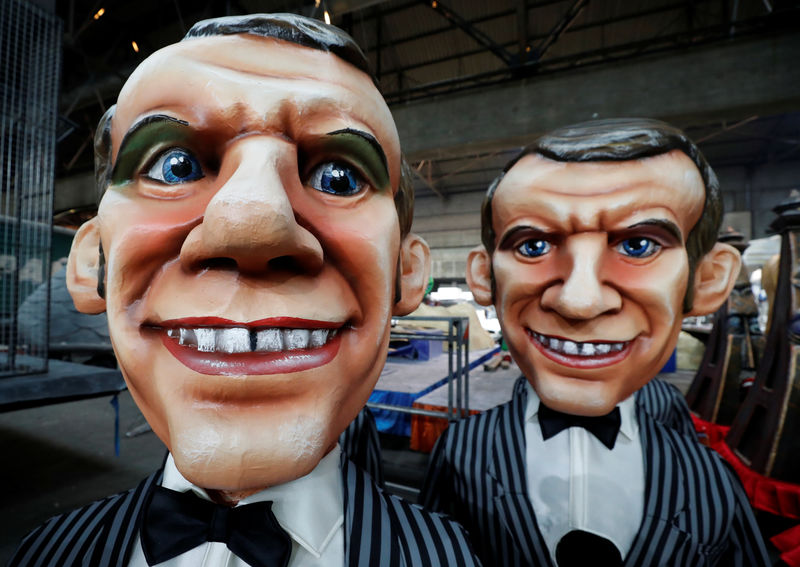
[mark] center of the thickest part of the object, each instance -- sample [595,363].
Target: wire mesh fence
[30,58]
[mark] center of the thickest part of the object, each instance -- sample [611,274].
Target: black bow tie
[176,522]
[604,427]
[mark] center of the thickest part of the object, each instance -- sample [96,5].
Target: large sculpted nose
[250,224]
[582,292]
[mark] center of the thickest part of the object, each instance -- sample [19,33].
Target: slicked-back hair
[624,139]
[293,28]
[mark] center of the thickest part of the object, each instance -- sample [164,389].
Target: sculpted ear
[714,278]
[415,269]
[479,275]
[83,269]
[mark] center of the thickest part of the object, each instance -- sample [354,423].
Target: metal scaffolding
[30,59]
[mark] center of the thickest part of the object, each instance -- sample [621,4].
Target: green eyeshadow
[361,150]
[145,138]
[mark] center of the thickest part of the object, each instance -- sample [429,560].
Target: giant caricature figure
[597,240]
[250,249]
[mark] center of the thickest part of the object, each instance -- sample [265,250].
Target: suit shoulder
[698,461]
[76,537]
[474,422]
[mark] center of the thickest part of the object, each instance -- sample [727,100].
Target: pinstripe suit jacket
[362,445]
[695,510]
[380,530]
[665,403]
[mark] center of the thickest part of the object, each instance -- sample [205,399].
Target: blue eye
[534,248]
[176,166]
[638,247]
[336,178]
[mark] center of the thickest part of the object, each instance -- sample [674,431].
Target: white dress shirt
[309,508]
[576,483]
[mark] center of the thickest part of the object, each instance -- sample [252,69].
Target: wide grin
[580,354]
[270,346]
[243,339]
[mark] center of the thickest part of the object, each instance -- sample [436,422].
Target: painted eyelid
[516,236]
[353,150]
[136,155]
[659,241]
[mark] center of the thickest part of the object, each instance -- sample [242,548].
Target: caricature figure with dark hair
[251,246]
[597,240]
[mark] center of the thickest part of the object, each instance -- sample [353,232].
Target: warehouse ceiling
[424,49]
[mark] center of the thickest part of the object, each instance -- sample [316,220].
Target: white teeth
[570,347]
[295,339]
[318,337]
[241,339]
[232,340]
[186,337]
[269,340]
[574,348]
[205,339]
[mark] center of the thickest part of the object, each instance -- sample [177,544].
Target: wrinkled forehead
[591,191]
[254,82]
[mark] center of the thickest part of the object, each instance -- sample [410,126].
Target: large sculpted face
[253,253]
[591,269]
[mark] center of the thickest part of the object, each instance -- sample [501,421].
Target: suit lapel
[508,469]
[665,496]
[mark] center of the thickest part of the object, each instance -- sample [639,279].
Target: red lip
[285,322]
[252,363]
[583,362]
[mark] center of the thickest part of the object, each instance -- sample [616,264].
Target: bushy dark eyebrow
[144,123]
[664,224]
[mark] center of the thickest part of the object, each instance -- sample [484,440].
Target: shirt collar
[629,426]
[309,508]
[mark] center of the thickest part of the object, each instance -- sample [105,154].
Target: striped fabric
[665,403]
[361,444]
[696,513]
[380,530]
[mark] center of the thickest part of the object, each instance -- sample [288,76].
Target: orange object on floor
[426,430]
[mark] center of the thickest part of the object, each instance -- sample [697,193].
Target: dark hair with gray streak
[624,139]
[293,28]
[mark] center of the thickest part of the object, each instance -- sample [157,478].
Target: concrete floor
[59,457]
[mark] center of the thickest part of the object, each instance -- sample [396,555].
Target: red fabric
[788,543]
[773,496]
